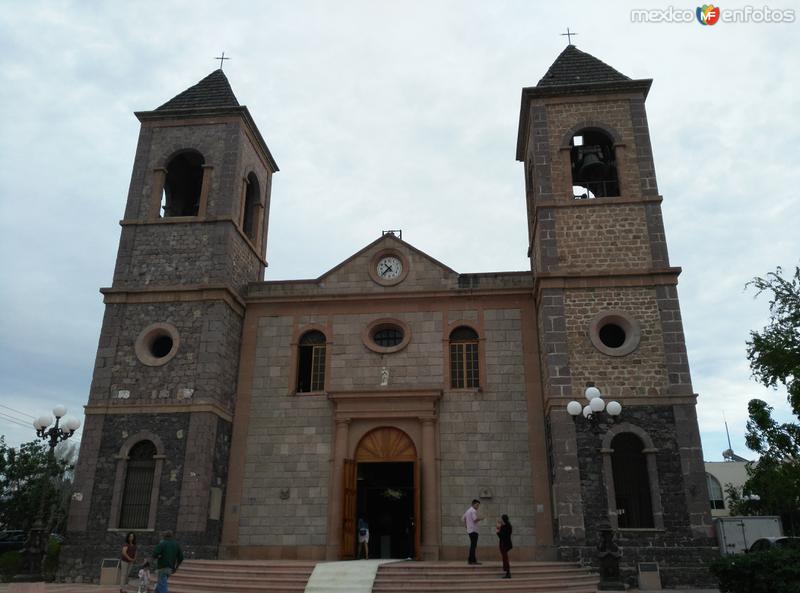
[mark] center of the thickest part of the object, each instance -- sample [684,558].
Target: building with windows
[720,474]
[262,419]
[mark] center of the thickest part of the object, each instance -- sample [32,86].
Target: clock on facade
[389,267]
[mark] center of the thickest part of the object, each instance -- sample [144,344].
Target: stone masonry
[248,465]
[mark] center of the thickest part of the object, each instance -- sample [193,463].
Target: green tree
[774,355]
[26,474]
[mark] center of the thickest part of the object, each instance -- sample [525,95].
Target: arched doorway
[382,485]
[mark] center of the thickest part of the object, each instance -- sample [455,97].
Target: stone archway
[382,447]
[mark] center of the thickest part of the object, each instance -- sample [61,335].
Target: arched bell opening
[183,185]
[594,165]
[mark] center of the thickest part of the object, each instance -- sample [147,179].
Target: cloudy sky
[383,114]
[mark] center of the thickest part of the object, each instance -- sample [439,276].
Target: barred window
[135,511]
[464,358]
[311,362]
[715,498]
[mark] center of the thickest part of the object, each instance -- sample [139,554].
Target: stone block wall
[602,237]
[203,369]
[640,373]
[287,465]
[354,366]
[681,550]
[484,440]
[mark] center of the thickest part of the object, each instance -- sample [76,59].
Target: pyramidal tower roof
[573,66]
[214,91]
[575,73]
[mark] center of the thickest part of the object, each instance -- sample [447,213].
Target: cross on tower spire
[221,58]
[567,34]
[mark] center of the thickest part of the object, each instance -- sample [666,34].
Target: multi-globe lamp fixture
[595,406]
[52,432]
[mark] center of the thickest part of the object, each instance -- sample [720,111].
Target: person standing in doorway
[169,556]
[504,535]
[127,557]
[471,519]
[363,538]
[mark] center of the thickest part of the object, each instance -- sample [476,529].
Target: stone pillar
[159,179]
[430,492]
[202,207]
[336,494]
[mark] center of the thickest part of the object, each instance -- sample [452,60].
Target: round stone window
[386,335]
[157,344]
[614,333]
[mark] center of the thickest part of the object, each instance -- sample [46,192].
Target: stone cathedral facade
[263,419]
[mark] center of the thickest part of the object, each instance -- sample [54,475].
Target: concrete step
[533,577]
[240,576]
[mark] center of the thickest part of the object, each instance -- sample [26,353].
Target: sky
[385,115]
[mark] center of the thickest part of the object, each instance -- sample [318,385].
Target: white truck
[736,534]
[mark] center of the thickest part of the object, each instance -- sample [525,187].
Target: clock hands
[386,269]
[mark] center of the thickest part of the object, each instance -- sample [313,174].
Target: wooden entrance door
[381,445]
[349,511]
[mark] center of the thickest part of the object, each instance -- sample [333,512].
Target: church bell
[591,162]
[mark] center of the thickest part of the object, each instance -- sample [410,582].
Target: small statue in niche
[384,376]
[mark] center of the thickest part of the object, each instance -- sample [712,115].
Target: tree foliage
[774,355]
[26,474]
[774,352]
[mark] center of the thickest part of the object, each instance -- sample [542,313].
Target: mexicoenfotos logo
[707,14]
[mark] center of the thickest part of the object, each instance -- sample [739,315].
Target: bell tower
[161,402]
[608,316]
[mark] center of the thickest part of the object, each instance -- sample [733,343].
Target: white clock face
[389,267]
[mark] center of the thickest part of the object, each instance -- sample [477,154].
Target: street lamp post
[608,553]
[35,546]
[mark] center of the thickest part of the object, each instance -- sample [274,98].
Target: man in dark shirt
[169,556]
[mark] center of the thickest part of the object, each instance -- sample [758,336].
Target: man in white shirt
[471,519]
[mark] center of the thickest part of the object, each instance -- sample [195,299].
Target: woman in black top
[504,535]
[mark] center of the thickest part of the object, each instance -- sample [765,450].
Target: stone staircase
[289,576]
[445,577]
[239,576]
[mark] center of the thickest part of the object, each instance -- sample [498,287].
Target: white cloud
[382,115]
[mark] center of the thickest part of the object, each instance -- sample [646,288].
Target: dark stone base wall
[83,552]
[681,553]
[681,567]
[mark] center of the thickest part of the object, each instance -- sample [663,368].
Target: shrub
[50,564]
[775,571]
[10,564]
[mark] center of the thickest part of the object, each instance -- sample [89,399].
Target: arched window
[183,185]
[631,482]
[251,200]
[137,494]
[464,372]
[594,166]
[311,362]
[715,496]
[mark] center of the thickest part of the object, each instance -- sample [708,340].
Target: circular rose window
[386,335]
[614,333]
[157,344]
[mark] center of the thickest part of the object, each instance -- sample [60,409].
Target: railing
[589,190]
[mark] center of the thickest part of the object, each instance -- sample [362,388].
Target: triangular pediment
[363,271]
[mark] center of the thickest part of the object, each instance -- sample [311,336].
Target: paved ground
[76,588]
